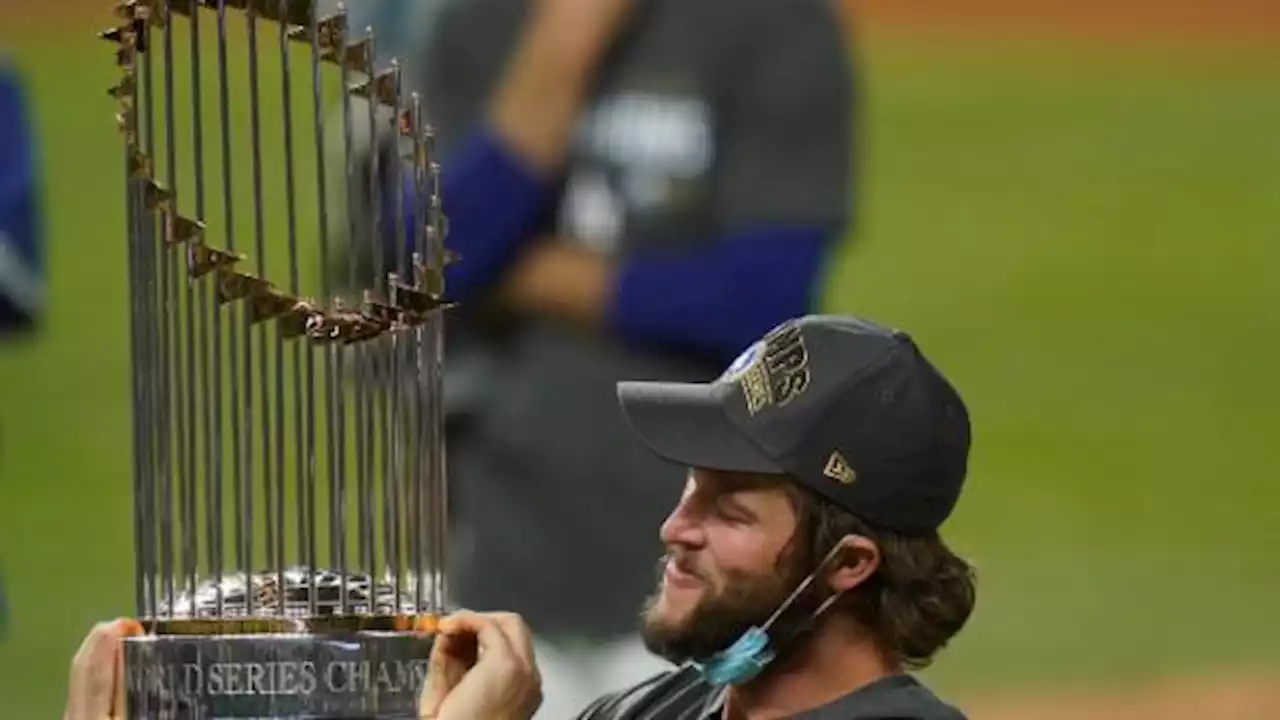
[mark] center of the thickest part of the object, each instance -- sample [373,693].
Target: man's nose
[682,527]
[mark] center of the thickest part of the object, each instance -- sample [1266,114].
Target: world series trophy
[290,506]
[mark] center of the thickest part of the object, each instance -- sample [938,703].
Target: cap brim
[685,424]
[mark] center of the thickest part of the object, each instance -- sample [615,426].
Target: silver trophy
[290,509]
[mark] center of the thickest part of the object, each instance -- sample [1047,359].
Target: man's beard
[720,617]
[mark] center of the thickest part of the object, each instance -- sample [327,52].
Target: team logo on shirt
[635,151]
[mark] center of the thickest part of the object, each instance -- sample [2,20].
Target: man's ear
[859,557]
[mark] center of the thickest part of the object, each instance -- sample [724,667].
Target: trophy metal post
[290,509]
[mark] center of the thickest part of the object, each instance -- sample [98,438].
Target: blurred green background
[1085,234]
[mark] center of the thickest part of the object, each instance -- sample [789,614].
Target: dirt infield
[1216,697]
[1220,21]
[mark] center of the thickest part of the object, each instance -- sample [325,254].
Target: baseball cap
[850,409]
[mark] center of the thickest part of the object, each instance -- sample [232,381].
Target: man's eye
[727,511]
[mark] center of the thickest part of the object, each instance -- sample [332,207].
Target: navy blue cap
[850,409]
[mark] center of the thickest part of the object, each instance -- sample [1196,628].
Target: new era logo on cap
[850,409]
[838,469]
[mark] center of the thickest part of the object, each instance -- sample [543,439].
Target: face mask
[752,652]
[748,656]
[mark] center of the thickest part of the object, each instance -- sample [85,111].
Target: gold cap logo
[776,373]
[838,469]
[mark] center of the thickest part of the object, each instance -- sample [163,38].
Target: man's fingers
[455,651]
[499,630]
[518,636]
[99,635]
[458,645]
[92,660]
[451,657]
[493,642]
[489,635]
[437,685]
[127,628]
[93,669]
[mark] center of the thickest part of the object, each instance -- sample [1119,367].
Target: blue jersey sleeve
[21,257]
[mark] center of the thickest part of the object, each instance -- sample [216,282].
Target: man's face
[731,561]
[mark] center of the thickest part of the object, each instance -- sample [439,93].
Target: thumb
[452,654]
[93,672]
[463,638]
[484,630]
[127,628]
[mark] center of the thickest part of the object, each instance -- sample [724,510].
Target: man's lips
[676,576]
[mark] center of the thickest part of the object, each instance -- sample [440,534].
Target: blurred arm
[783,195]
[21,285]
[537,103]
[715,299]
[503,153]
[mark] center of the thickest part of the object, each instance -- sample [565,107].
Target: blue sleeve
[492,201]
[720,299]
[714,301]
[21,264]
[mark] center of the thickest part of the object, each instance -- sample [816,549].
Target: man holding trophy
[804,574]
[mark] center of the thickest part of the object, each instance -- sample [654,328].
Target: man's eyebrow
[725,488]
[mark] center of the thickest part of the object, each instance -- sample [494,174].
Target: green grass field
[1085,238]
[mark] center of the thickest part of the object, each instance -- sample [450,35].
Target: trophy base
[321,668]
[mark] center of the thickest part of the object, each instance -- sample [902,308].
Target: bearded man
[804,575]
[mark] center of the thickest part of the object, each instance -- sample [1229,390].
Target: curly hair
[918,598]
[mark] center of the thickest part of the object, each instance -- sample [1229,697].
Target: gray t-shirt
[712,117]
[682,695]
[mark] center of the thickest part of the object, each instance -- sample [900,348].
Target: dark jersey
[713,117]
[682,695]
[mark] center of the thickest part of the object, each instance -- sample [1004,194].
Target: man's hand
[96,690]
[482,666]
[555,279]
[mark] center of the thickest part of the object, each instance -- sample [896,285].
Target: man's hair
[919,597]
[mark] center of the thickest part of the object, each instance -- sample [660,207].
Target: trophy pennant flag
[290,508]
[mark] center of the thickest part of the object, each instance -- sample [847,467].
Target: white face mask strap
[804,585]
[826,604]
[754,649]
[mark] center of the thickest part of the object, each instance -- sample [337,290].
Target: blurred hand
[560,280]
[482,666]
[96,690]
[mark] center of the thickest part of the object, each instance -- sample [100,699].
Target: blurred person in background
[637,189]
[21,281]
